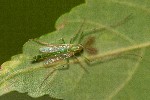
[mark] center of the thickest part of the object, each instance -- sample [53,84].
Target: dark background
[21,20]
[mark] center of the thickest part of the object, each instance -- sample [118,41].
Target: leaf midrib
[100,57]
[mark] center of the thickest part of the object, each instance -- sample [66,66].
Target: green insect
[51,53]
[57,52]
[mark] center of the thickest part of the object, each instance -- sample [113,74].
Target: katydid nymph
[52,53]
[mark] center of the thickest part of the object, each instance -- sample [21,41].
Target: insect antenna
[122,21]
[93,31]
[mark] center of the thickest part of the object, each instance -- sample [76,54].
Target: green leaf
[121,31]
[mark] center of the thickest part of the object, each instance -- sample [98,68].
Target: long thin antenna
[93,31]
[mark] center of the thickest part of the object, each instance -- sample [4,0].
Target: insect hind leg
[49,74]
[55,69]
[40,42]
[45,43]
[81,64]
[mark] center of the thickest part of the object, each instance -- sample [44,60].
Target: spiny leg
[76,34]
[62,39]
[68,64]
[101,29]
[81,64]
[54,69]
[64,67]
[80,38]
[46,44]
[40,42]
[49,74]
[88,60]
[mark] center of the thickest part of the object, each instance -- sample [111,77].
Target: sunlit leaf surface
[119,70]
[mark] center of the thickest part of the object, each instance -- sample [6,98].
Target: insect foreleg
[76,34]
[80,64]
[62,39]
[55,69]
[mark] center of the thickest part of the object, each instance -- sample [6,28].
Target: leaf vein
[129,78]
[132,5]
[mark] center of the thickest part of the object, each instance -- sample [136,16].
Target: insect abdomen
[58,48]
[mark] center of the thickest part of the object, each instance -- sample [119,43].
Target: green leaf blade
[110,76]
